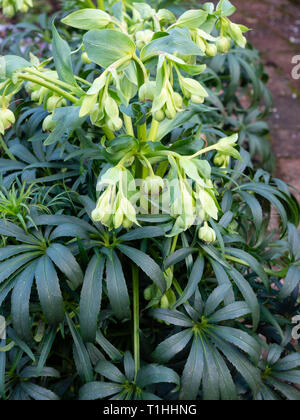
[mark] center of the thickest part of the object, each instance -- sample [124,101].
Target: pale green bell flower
[207,234]
[7,118]
[208,203]
[227,146]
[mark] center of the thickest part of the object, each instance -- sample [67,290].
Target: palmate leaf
[166,350]
[146,263]
[248,294]
[49,290]
[290,393]
[11,265]
[109,349]
[62,58]
[90,299]
[122,386]
[223,279]
[45,349]
[249,372]
[155,374]
[193,371]
[20,343]
[252,262]
[116,286]
[110,371]
[291,281]
[279,375]
[194,280]
[213,339]
[81,356]
[20,302]
[37,392]
[65,261]
[98,390]
[108,46]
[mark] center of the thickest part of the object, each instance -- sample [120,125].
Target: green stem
[6,149]
[177,287]
[90,4]
[279,274]
[142,67]
[128,125]
[136,317]
[175,282]
[174,244]
[142,132]
[237,260]
[153,130]
[101,4]
[109,134]
[49,86]
[54,81]
[201,152]
[83,81]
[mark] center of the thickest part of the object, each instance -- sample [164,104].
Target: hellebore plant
[11,7]
[128,70]
[178,205]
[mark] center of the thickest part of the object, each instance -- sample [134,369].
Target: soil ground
[276,33]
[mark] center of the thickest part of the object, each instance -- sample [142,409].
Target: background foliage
[215,319]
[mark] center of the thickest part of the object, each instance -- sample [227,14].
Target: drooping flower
[207,234]
[7,118]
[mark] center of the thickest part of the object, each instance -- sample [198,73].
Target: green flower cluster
[11,7]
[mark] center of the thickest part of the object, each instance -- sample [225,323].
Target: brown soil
[276,33]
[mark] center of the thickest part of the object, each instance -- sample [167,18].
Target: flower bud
[7,118]
[118,218]
[152,183]
[9,11]
[164,302]
[211,50]
[200,43]
[178,101]
[127,224]
[128,210]
[166,17]
[85,58]
[197,99]
[223,45]
[170,112]
[208,204]
[143,38]
[227,146]
[55,102]
[114,124]
[207,234]
[168,299]
[192,87]
[39,95]
[48,123]
[237,35]
[104,208]
[147,91]
[150,292]
[111,107]
[222,160]
[159,115]
[88,105]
